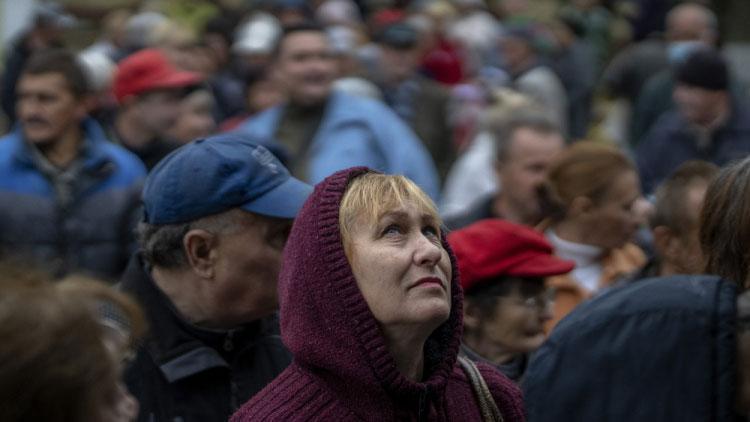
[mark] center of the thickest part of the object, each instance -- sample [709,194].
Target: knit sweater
[342,369]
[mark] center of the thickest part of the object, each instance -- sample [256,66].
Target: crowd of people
[428,210]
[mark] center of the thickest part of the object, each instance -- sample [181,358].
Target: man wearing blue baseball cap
[217,213]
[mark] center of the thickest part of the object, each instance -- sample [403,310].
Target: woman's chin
[434,310]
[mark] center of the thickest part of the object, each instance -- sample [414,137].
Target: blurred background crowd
[594,128]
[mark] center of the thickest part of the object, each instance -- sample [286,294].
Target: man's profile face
[47,108]
[306,67]
[247,268]
[398,64]
[698,105]
[524,168]
[158,110]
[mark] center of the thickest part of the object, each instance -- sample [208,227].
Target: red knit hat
[492,248]
[148,70]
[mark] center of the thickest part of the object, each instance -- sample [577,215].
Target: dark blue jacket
[94,232]
[670,143]
[658,350]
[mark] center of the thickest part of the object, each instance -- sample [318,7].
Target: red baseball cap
[493,248]
[148,70]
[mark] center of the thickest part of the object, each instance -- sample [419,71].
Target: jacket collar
[95,156]
[178,348]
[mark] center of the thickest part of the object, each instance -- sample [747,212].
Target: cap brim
[283,201]
[542,266]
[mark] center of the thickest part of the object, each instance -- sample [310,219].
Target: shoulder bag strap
[487,406]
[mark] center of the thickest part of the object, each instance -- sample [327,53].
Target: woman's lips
[429,281]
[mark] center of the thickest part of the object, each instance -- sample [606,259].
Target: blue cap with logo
[216,174]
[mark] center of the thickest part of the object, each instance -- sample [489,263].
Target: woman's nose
[427,251]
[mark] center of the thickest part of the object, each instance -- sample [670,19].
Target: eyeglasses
[541,301]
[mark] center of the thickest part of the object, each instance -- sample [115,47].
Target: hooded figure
[343,369]
[658,350]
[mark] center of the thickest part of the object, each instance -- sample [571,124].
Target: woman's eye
[431,231]
[392,229]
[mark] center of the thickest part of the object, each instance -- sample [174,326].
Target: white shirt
[588,269]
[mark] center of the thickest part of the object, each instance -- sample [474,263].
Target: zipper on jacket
[229,342]
[422,411]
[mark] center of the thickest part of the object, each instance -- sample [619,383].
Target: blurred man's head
[701,90]
[518,47]
[51,101]
[217,215]
[692,22]
[676,220]
[399,52]
[527,143]
[150,89]
[305,64]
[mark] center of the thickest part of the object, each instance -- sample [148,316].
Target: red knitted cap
[491,248]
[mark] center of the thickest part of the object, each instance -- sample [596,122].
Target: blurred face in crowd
[515,323]
[47,109]
[523,170]
[398,64]
[679,248]
[245,269]
[157,111]
[517,53]
[612,220]
[690,22]
[195,119]
[306,67]
[401,267]
[700,106]
[264,93]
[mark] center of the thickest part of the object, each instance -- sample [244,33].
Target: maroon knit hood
[327,324]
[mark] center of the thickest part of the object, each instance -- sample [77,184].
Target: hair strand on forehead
[371,195]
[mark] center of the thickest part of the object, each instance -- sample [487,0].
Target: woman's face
[517,324]
[401,268]
[617,216]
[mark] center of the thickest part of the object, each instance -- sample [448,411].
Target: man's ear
[200,249]
[665,242]
[580,205]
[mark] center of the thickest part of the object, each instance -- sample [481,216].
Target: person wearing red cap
[502,267]
[149,90]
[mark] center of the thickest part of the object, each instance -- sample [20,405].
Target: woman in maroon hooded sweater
[371,309]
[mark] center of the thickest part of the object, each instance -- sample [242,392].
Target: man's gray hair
[162,244]
[533,118]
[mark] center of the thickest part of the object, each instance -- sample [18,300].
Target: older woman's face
[401,267]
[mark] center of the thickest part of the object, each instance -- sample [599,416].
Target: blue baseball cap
[216,174]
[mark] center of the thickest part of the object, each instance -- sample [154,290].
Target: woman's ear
[580,205]
[200,249]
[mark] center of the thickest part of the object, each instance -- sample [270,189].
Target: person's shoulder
[356,105]
[664,127]
[295,395]
[127,164]
[7,146]
[260,123]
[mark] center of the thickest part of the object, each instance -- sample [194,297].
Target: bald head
[692,22]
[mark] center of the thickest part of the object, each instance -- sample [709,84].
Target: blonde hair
[371,195]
